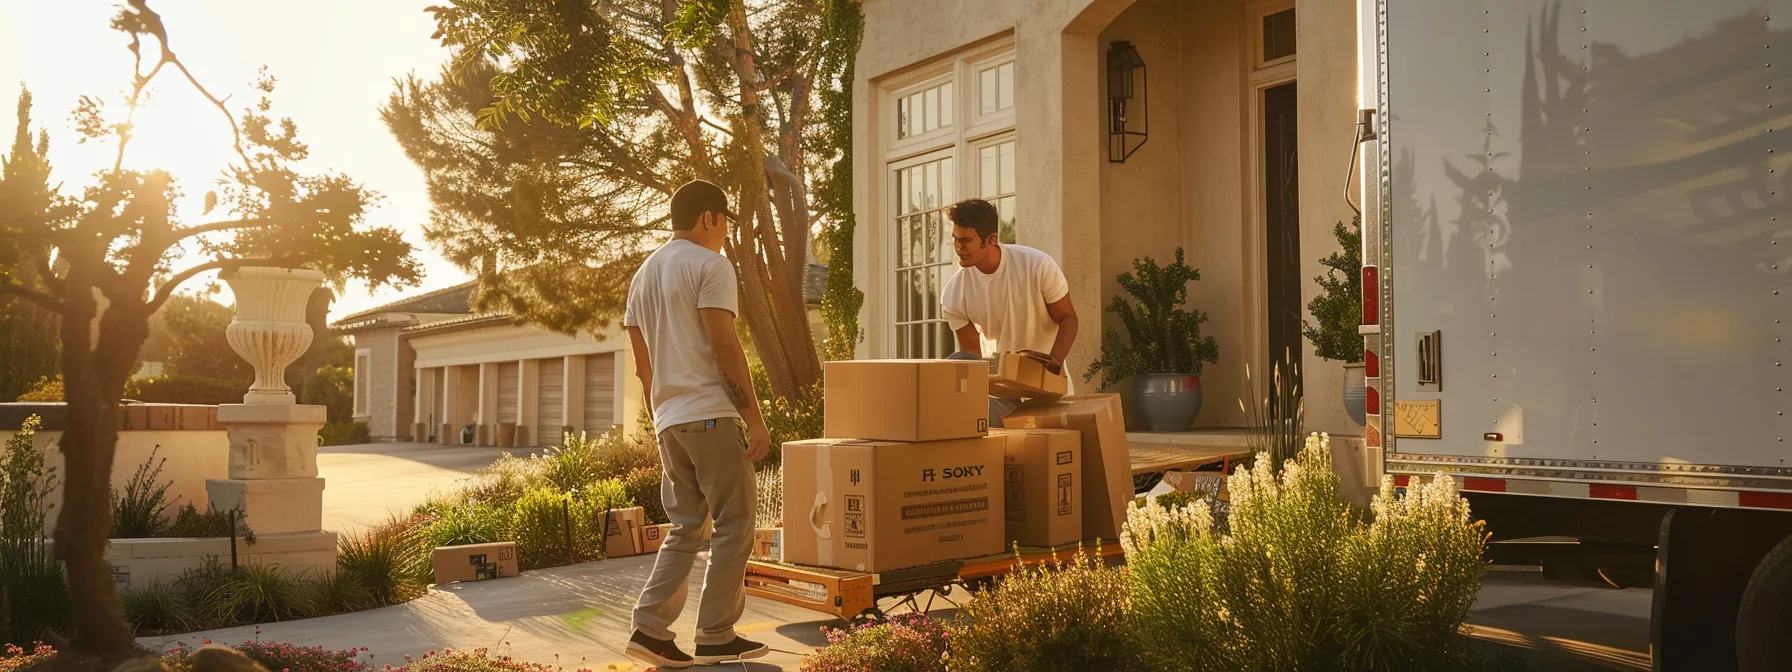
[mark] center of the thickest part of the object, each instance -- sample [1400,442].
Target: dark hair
[975,213]
[693,200]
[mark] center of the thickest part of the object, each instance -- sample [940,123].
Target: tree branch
[48,302]
[166,289]
[201,229]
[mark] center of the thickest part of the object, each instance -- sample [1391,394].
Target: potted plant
[1164,349]
[1338,310]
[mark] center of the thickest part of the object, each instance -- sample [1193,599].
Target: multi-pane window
[995,182]
[995,88]
[924,258]
[924,111]
[1278,36]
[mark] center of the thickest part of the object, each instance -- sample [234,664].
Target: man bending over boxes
[680,321]
[1016,295]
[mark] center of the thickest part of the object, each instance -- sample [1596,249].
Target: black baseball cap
[695,198]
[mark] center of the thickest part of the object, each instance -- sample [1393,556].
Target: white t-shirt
[672,285]
[1008,306]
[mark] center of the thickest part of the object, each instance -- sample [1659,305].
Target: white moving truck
[1578,290]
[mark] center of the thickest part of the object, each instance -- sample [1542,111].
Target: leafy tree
[624,98]
[842,29]
[116,242]
[28,346]
[1339,306]
[196,342]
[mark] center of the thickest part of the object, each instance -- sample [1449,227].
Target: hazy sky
[334,59]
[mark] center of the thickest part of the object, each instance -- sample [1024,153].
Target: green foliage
[30,345]
[189,521]
[344,434]
[1338,308]
[842,29]
[197,346]
[504,481]
[540,524]
[137,512]
[35,582]
[1299,582]
[905,643]
[590,515]
[156,608]
[45,389]
[791,419]
[1161,336]
[1070,615]
[583,460]
[259,594]
[332,387]
[390,563]
[643,486]
[470,523]
[180,388]
[1276,425]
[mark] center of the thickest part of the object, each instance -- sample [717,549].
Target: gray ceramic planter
[1166,402]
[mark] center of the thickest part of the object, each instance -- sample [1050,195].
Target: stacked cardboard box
[1106,464]
[908,474]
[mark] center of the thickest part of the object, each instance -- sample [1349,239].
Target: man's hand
[759,442]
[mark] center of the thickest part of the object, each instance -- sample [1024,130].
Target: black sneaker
[656,652]
[739,649]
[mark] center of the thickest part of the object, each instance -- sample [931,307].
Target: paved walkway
[364,484]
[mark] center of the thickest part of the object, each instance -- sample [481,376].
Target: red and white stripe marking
[1735,499]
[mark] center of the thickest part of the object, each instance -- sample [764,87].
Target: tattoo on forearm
[739,397]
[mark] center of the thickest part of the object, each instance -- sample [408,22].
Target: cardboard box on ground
[622,531]
[1107,464]
[1023,375]
[905,399]
[875,506]
[1042,486]
[474,562]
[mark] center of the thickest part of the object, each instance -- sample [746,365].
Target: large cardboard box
[1023,375]
[906,399]
[1107,464]
[1042,484]
[874,506]
[654,535]
[622,531]
[474,562]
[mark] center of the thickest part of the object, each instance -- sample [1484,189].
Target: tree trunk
[794,346]
[88,446]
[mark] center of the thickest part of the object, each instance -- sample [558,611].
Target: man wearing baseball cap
[680,321]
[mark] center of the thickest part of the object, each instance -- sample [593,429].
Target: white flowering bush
[1299,582]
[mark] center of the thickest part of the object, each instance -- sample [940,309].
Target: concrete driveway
[365,484]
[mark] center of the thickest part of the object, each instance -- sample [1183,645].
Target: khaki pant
[705,476]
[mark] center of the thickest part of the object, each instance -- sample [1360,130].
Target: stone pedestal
[272,505]
[272,440]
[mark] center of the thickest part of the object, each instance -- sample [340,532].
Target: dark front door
[1281,207]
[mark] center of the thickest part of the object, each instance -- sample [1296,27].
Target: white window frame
[362,377]
[969,132]
[1254,15]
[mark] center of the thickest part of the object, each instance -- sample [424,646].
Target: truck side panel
[1586,203]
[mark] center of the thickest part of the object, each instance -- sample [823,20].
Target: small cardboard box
[1042,486]
[906,399]
[1210,485]
[622,531]
[874,506]
[654,535]
[1023,375]
[1107,462]
[768,544]
[474,562]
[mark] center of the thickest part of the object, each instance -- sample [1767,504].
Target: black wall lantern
[1128,125]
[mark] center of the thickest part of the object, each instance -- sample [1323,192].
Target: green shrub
[1161,337]
[196,587]
[390,561]
[504,481]
[643,486]
[137,512]
[1338,307]
[906,643]
[585,459]
[1065,616]
[259,594]
[34,580]
[1299,582]
[183,389]
[189,522]
[344,434]
[341,592]
[157,608]
[791,420]
[1277,423]
[589,507]
[472,523]
[539,524]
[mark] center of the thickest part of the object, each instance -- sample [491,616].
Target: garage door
[552,394]
[507,392]
[600,393]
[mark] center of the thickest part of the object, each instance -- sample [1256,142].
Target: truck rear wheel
[1764,619]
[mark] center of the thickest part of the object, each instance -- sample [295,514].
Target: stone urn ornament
[270,329]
